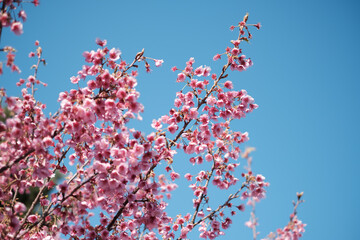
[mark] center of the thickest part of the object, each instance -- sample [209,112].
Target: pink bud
[17,28]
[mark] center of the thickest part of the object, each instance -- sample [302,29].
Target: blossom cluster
[126,174]
[12,15]
[294,229]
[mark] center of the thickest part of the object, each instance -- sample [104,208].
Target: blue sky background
[305,78]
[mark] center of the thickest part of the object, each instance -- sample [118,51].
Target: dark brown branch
[33,204]
[203,194]
[173,142]
[17,160]
[4,168]
[2,11]
[49,211]
[118,214]
[230,198]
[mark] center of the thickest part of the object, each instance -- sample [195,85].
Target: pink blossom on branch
[22,15]
[114,54]
[126,174]
[158,63]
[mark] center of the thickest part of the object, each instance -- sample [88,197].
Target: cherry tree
[127,174]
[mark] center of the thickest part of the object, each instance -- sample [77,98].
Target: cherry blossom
[17,28]
[127,175]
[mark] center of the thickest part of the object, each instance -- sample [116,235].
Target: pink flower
[199,71]
[173,128]
[5,20]
[138,149]
[188,176]
[110,105]
[44,202]
[177,102]
[184,232]
[193,114]
[241,207]
[260,178]
[88,56]
[217,57]
[101,167]
[100,42]
[188,69]
[10,59]
[236,43]
[208,157]
[74,79]
[36,3]
[200,84]
[189,96]
[174,175]
[91,84]
[181,77]
[190,148]
[62,187]
[19,207]
[48,141]
[235,51]
[158,63]
[22,15]
[211,100]
[175,227]
[226,223]
[156,124]
[204,119]
[190,62]
[15,68]
[134,73]
[113,183]
[160,141]
[219,143]
[244,195]
[249,224]
[228,85]
[17,28]
[32,218]
[15,223]
[206,71]
[114,54]
[147,67]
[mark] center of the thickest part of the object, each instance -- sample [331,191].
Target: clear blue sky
[305,78]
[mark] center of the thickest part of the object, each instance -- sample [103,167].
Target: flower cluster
[294,229]
[12,15]
[126,174]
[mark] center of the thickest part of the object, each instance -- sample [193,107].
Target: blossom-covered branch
[126,174]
